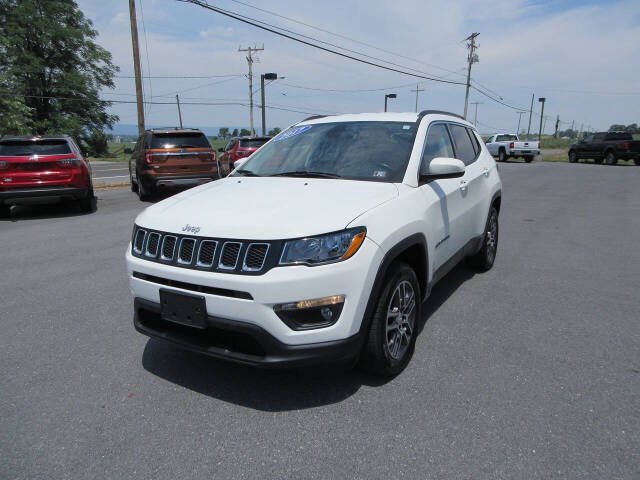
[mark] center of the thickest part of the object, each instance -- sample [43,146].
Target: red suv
[240,147]
[50,167]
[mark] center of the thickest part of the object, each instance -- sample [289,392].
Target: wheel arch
[413,251]
[496,201]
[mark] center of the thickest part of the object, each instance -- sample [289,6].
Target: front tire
[502,156]
[637,161]
[392,335]
[483,260]
[610,158]
[573,158]
[134,186]
[529,158]
[5,211]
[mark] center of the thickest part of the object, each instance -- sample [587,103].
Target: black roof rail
[313,117]
[441,112]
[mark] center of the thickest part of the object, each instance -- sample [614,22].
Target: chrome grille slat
[229,255]
[206,252]
[255,256]
[168,249]
[153,243]
[138,241]
[186,250]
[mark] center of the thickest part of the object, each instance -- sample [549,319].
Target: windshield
[28,147]
[179,140]
[373,151]
[506,138]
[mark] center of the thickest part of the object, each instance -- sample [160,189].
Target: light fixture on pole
[541,100]
[388,95]
[263,77]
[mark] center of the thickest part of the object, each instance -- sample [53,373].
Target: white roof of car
[370,117]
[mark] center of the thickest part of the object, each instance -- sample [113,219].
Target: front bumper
[249,299]
[241,342]
[16,195]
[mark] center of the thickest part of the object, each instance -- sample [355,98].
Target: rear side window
[474,141]
[463,145]
[599,136]
[438,144]
[506,138]
[10,148]
[253,142]
[179,140]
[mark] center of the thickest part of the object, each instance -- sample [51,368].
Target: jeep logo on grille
[190,228]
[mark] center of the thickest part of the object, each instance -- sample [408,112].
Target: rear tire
[144,193]
[486,256]
[392,335]
[610,158]
[529,159]
[598,160]
[573,158]
[5,211]
[637,161]
[502,156]
[88,203]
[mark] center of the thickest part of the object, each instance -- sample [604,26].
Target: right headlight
[331,247]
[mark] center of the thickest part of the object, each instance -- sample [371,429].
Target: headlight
[331,247]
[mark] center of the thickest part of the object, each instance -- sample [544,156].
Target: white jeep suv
[322,246]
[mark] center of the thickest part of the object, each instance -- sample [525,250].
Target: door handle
[463,185]
[485,171]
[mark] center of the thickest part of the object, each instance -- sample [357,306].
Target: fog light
[308,314]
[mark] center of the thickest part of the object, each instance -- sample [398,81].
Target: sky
[582,56]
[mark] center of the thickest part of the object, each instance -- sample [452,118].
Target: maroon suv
[240,147]
[50,167]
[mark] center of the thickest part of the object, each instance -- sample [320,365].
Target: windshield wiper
[306,173]
[245,173]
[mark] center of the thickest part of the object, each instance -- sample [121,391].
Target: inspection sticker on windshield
[379,173]
[292,132]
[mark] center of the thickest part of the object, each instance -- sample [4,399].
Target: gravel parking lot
[529,371]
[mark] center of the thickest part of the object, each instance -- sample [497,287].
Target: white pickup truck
[507,145]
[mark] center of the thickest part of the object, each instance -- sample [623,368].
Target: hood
[267,208]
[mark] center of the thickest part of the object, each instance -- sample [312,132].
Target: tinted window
[230,145]
[253,142]
[462,142]
[474,141]
[179,140]
[438,144]
[373,151]
[506,138]
[41,147]
[599,136]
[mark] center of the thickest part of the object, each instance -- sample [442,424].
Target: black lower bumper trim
[14,194]
[241,342]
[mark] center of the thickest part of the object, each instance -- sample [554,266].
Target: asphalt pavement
[109,173]
[528,371]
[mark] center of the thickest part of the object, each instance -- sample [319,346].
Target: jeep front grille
[213,254]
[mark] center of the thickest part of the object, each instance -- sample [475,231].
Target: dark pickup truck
[608,146]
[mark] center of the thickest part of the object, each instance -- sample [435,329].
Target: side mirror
[441,167]
[239,163]
[128,151]
[221,149]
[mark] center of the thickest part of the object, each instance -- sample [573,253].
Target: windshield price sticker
[292,132]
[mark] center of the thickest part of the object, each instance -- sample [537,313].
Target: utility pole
[472,58]
[418,89]
[555,135]
[250,60]
[533,95]
[519,117]
[541,100]
[136,64]
[179,112]
[263,77]
[475,121]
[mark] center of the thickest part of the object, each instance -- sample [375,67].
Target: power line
[344,37]
[243,19]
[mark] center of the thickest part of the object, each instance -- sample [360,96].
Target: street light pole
[475,121]
[541,100]
[388,95]
[263,77]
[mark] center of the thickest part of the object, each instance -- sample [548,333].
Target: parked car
[608,146]
[332,237]
[47,167]
[508,145]
[238,148]
[164,158]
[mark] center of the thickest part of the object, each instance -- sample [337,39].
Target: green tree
[53,69]
[223,132]
[274,131]
[244,132]
[235,132]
